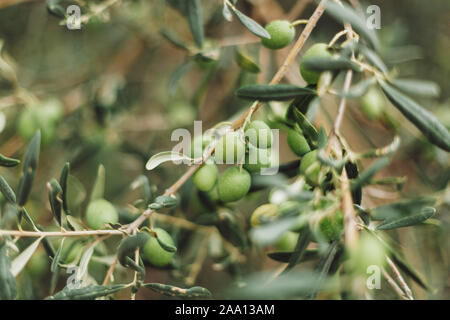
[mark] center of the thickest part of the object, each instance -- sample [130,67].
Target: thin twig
[37,234]
[110,272]
[394,285]
[400,279]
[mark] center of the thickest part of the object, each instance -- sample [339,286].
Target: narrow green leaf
[195,19]
[373,58]
[86,293]
[27,217]
[407,221]
[246,62]
[172,291]
[358,90]
[424,120]
[227,13]
[344,13]
[253,26]
[8,286]
[21,260]
[6,190]
[166,201]
[98,191]
[173,39]
[24,187]
[299,250]
[8,162]
[177,75]
[266,92]
[54,197]
[57,257]
[401,209]
[63,180]
[128,246]
[365,176]
[418,88]
[31,158]
[270,232]
[308,130]
[165,156]
[84,262]
[285,256]
[167,247]
[332,64]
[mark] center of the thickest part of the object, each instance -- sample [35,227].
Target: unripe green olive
[259,134]
[368,252]
[330,227]
[30,121]
[213,194]
[319,50]
[198,145]
[154,253]
[230,148]
[257,159]
[372,104]
[310,167]
[297,142]
[262,214]
[281,34]
[205,178]
[233,184]
[71,251]
[287,241]
[38,264]
[100,212]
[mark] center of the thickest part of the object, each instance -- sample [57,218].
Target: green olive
[31,121]
[372,104]
[257,159]
[38,264]
[100,212]
[262,214]
[259,134]
[71,250]
[230,149]
[297,142]
[310,167]
[198,145]
[368,252]
[154,253]
[205,178]
[233,184]
[330,227]
[287,241]
[319,50]
[281,34]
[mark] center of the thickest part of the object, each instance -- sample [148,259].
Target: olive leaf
[74,223]
[195,19]
[30,164]
[177,74]
[6,190]
[172,38]
[267,92]
[359,89]
[166,201]
[142,181]
[86,293]
[76,193]
[285,256]
[24,213]
[54,197]
[165,156]
[8,162]
[57,257]
[253,26]
[344,13]
[128,246]
[333,63]
[21,260]
[8,286]
[302,103]
[98,191]
[167,247]
[407,221]
[384,151]
[84,262]
[63,181]
[373,58]
[246,63]
[300,249]
[419,88]
[227,13]
[172,291]
[365,176]
[307,128]
[424,120]
[401,209]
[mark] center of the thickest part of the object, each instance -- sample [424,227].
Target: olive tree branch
[394,285]
[241,120]
[400,279]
